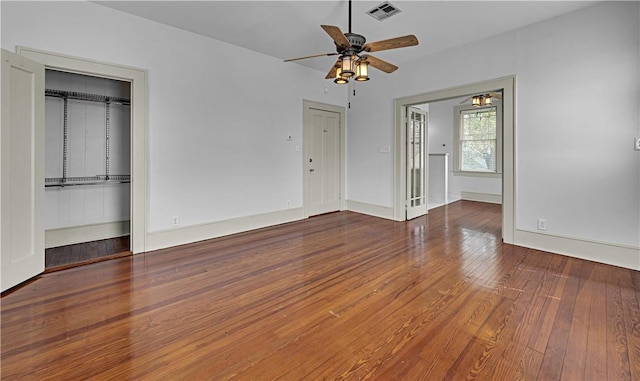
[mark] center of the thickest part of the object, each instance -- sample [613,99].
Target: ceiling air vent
[383,11]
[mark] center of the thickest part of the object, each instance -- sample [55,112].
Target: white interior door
[416,162]
[22,166]
[322,162]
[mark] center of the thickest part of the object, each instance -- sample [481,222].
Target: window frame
[457,132]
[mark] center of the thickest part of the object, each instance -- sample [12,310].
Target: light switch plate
[636,144]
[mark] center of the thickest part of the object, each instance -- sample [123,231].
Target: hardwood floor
[63,257]
[339,296]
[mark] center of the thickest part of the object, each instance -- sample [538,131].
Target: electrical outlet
[175,221]
[542,224]
[636,144]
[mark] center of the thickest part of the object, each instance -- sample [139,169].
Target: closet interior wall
[87,151]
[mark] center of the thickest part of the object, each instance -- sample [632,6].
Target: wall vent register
[383,11]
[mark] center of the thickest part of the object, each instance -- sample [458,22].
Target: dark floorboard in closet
[62,257]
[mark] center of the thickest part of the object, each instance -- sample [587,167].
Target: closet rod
[86,180]
[91,183]
[85,96]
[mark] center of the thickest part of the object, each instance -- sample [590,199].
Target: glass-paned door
[416,162]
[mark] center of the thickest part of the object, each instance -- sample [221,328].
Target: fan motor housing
[357,42]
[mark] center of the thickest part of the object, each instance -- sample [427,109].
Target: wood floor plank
[617,350]
[338,296]
[554,354]
[576,354]
[596,365]
[63,257]
[632,321]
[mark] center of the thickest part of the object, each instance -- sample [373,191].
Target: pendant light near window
[481,100]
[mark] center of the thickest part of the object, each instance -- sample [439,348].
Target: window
[478,139]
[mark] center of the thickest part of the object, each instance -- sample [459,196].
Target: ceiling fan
[482,99]
[351,46]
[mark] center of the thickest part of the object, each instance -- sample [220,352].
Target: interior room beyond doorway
[87,166]
[447,182]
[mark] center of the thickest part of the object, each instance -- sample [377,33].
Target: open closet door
[22,169]
[416,162]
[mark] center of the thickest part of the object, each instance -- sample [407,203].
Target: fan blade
[336,34]
[496,95]
[332,72]
[381,65]
[313,56]
[392,43]
[466,100]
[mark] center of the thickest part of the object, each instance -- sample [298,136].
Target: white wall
[577,112]
[218,114]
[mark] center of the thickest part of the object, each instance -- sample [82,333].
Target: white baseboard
[370,209]
[611,254]
[189,234]
[482,197]
[86,233]
[432,204]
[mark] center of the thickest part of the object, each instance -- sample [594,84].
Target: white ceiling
[290,29]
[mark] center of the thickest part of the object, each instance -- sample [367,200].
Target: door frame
[507,85]
[307,106]
[139,151]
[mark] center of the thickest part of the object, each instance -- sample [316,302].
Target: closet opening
[87,168]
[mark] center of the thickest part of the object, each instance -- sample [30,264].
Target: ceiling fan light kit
[350,46]
[362,70]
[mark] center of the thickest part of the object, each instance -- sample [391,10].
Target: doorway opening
[504,86]
[87,168]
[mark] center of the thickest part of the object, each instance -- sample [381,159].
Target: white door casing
[507,85]
[22,166]
[322,159]
[417,162]
[138,79]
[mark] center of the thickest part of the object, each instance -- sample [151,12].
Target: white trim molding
[611,254]
[138,79]
[507,85]
[84,233]
[482,197]
[370,209]
[189,234]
